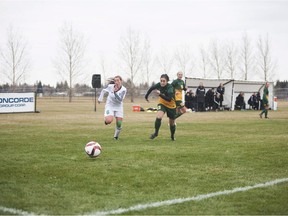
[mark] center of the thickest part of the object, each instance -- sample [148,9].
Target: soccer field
[208,170]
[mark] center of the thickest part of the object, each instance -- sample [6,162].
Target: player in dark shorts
[166,104]
[265,101]
[179,86]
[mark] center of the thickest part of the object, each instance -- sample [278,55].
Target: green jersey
[265,99]
[167,96]
[179,86]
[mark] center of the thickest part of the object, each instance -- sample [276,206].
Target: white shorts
[114,111]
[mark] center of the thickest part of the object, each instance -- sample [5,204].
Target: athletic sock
[157,125]
[117,132]
[172,130]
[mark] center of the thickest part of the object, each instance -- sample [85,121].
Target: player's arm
[184,87]
[120,96]
[149,91]
[105,90]
[169,96]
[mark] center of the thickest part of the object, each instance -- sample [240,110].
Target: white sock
[117,132]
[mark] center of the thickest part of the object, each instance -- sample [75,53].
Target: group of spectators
[212,100]
[205,101]
[254,101]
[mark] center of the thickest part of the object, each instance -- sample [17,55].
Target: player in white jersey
[114,103]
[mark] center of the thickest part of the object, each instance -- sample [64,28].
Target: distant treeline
[62,88]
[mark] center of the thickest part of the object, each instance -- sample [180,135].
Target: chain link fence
[281,93]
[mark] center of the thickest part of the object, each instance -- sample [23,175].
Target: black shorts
[171,112]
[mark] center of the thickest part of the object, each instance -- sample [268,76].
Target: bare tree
[147,60]
[165,61]
[71,55]
[267,66]
[14,57]
[246,58]
[204,63]
[231,59]
[182,57]
[103,66]
[132,53]
[217,59]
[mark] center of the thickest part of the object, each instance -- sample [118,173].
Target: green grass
[45,170]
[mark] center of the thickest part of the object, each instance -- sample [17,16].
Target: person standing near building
[114,104]
[258,98]
[209,99]
[166,104]
[265,101]
[188,100]
[240,102]
[253,101]
[200,94]
[221,90]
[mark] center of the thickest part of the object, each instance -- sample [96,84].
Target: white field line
[162,203]
[182,200]
[16,211]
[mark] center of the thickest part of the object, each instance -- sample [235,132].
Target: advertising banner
[17,102]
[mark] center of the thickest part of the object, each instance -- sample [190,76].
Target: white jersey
[114,102]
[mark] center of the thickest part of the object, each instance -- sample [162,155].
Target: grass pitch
[45,170]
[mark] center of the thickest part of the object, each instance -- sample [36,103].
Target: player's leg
[159,116]
[108,115]
[108,119]
[266,111]
[119,119]
[118,127]
[180,110]
[263,111]
[171,113]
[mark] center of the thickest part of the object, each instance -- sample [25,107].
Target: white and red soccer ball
[93,149]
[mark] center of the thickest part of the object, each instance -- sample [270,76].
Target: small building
[232,89]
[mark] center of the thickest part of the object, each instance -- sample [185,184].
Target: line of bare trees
[14,61]
[245,60]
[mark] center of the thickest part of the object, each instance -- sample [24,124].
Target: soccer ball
[93,149]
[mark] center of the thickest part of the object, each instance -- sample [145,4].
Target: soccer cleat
[267,117]
[116,138]
[173,138]
[152,136]
[260,115]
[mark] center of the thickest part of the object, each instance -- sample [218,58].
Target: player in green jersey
[265,101]
[179,86]
[166,104]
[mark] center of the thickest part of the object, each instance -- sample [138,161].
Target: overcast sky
[168,24]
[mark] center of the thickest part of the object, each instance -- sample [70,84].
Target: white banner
[17,102]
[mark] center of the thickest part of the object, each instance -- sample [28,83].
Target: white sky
[168,24]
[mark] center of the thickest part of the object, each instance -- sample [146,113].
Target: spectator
[194,102]
[221,90]
[216,101]
[240,102]
[259,101]
[188,100]
[253,101]
[209,99]
[200,94]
